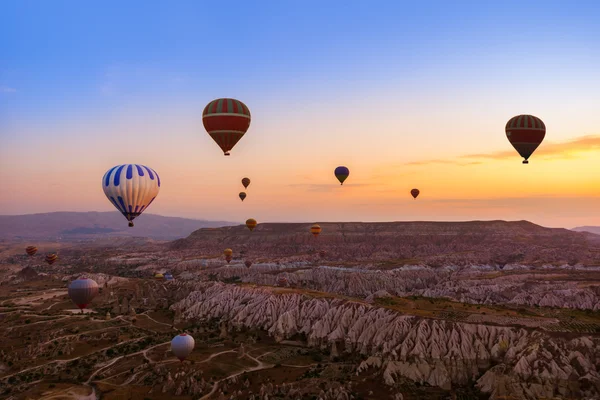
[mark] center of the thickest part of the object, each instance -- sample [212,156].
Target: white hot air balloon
[131,188]
[82,291]
[182,345]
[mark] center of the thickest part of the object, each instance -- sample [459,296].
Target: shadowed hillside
[432,243]
[92,225]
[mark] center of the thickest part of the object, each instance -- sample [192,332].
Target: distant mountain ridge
[590,229]
[69,226]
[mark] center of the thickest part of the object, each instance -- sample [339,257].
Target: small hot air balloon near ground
[315,230]
[31,250]
[242,195]
[228,259]
[226,121]
[525,133]
[342,173]
[131,188]
[246,182]
[248,263]
[228,252]
[415,193]
[182,346]
[168,277]
[82,291]
[158,276]
[51,258]
[251,223]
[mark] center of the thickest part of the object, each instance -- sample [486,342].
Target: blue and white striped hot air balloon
[131,188]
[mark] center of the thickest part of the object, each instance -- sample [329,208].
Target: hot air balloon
[342,173]
[322,253]
[246,182]
[31,250]
[415,193]
[51,258]
[282,281]
[248,263]
[525,133]
[228,252]
[131,188]
[228,259]
[242,195]
[158,276]
[168,277]
[315,230]
[82,291]
[226,121]
[182,346]
[251,223]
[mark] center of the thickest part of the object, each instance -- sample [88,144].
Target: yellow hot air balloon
[315,230]
[228,252]
[251,223]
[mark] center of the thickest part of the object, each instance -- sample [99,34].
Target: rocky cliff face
[501,360]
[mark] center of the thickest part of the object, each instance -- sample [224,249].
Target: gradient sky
[405,94]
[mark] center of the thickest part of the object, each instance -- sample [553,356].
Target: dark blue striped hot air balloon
[341,173]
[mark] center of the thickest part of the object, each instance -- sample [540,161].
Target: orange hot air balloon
[248,263]
[525,133]
[242,195]
[415,193]
[315,230]
[31,250]
[246,182]
[51,258]
[226,121]
[228,252]
[228,259]
[251,223]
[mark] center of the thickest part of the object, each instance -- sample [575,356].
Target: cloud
[546,150]
[6,89]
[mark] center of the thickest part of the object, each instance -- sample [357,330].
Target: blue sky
[369,83]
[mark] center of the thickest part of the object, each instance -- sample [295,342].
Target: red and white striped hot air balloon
[31,250]
[182,346]
[525,133]
[226,121]
[82,291]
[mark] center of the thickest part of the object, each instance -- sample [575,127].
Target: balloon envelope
[242,195]
[251,223]
[246,182]
[248,264]
[228,259]
[228,252]
[315,230]
[342,173]
[31,250]
[525,133]
[131,188]
[159,276]
[415,193]
[82,291]
[182,346]
[51,258]
[226,121]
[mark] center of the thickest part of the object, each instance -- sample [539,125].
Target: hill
[590,229]
[393,243]
[70,226]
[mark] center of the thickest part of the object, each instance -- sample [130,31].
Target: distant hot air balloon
[228,252]
[226,121]
[251,223]
[51,258]
[168,277]
[82,291]
[525,133]
[182,346]
[31,250]
[322,253]
[246,182]
[282,281]
[242,195]
[158,276]
[131,188]
[248,263]
[342,173]
[228,259]
[315,230]
[415,193]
